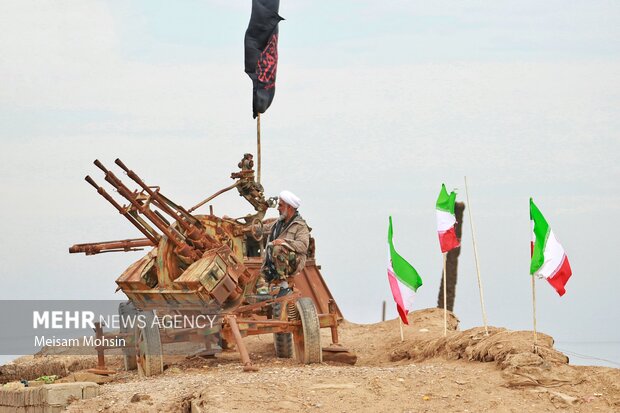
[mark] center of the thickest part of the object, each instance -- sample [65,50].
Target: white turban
[290,198]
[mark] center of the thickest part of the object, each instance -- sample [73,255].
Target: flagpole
[400,323]
[258,147]
[473,239]
[445,299]
[534,312]
[383,311]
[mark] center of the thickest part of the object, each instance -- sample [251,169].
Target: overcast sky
[377,104]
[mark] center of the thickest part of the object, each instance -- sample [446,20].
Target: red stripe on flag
[448,240]
[398,298]
[403,314]
[560,278]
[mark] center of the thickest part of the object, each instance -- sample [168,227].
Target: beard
[282,217]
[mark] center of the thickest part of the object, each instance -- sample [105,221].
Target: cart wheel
[307,338]
[125,310]
[283,342]
[256,229]
[149,358]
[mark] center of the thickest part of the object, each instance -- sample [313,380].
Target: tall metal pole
[473,238]
[258,148]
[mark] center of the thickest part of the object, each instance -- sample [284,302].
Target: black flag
[261,52]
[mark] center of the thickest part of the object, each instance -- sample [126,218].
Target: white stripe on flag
[445,220]
[554,255]
[408,296]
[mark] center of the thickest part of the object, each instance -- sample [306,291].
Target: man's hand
[277,242]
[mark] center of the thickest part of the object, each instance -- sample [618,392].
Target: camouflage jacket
[296,237]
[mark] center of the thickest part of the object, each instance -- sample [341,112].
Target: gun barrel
[155,196]
[193,229]
[99,165]
[111,246]
[92,182]
[151,235]
[121,165]
[175,237]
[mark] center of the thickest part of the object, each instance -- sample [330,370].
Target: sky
[377,105]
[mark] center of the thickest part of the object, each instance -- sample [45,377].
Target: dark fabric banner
[261,52]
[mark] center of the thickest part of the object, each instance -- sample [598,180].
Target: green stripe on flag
[541,230]
[404,271]
[445,201]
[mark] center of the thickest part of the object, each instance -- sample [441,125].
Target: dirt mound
[513,351]
[32,367]
[466,370]
[373,343]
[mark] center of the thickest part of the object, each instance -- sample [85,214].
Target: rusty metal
[101,368]
[189,224]
[243,352]
[204,260]
[309,282]
[254,306]
[218,193]
[147,231]
[331,319]
[332,312]
[112,246]
[142,206]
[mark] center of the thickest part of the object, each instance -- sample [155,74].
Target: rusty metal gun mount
[202,261]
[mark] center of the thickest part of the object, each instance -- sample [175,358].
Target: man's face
[284,209]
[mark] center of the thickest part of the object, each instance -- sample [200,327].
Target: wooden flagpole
[534,300]
[473,238]
[258,148]
[383,311]
[400,323]
[445,299]
[534,312]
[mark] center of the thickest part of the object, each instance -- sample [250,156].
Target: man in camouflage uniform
[287,245]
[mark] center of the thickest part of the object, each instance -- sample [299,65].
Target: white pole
[534,308]
[400,323]
[534,312]
[445,300]
[473,239]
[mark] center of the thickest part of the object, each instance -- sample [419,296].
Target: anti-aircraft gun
[205,264]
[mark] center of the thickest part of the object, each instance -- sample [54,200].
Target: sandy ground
[464,372]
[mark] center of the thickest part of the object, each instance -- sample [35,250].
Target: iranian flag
[548,257]
[404,279]
[446,220]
